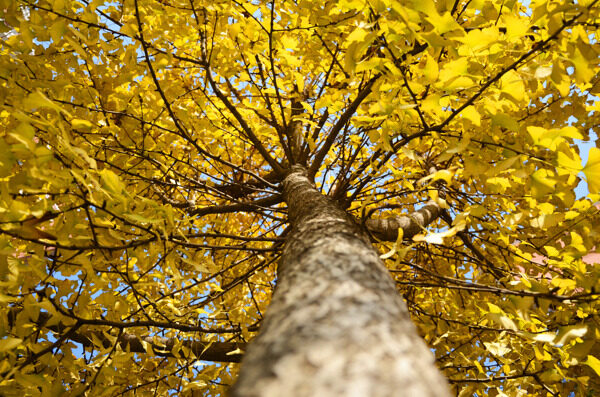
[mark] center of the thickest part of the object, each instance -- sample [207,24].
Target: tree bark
[336,325]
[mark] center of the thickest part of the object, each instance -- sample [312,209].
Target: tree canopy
[143,143]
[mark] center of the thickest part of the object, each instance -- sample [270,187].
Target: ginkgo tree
[356,197]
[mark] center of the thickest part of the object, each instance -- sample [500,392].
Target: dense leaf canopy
[142,143]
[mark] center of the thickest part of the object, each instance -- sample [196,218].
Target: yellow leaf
[432,104]
[77,47]
[595,107]
[551,138]
[566,334]
[545,337]
[525,281]
[498,184]
[435,40]
[357,35]
[505,322]
[542,72]
[478,40]
[551,376]
[563,284]
[425,6]
[38,100]
[569,161]
[443,23]
[546,208]
[438,238]
[592,170]
[445,175]
[112,183]
[512,85]
[541,183]
[24,133]
[571,215]
[471,114]
[478,210]
[505,121]
[541,353]
[498,349]
[577,242]
[479,367]
[431,70]
[432,238]
[569,132]
[57,30]
[147,347]
[81,125]
[460,147]
[9,343]
[594,363]
[560,80]
[162,62]
[459,83]
[234,31]
[584,69]
[129,29]
[453,69]
[516,26]
[537,133]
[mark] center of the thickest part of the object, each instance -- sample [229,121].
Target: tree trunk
[336,325]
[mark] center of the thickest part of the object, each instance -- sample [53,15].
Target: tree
[159,160]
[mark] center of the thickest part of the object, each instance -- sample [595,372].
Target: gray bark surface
[336,325]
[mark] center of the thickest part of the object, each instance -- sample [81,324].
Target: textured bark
[387,229]
[336,325]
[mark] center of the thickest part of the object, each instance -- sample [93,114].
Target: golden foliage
[142,143]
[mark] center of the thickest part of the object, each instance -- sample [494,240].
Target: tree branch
[344,118]
[387,229]
[229,352]
[245,127]
[237,207]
